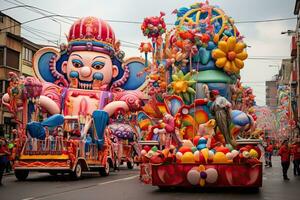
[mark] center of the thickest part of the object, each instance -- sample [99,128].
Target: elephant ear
[47,64]
[137,74]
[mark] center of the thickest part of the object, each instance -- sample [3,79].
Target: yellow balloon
[253,153]
[205,153]
[242,56]
[202,182]
[238,63]
[222,45]
[188,157]
[217,53]
[231,42]
[221,62]
[239,47]
[220,157]
[227,66]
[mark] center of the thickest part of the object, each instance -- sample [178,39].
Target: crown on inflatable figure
[91,34]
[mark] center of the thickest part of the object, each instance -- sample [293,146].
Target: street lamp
[288,32]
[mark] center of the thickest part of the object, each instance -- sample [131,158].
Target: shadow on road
[221,190]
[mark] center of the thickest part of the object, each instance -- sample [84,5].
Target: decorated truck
[125,138]
[63,112]
[198,126]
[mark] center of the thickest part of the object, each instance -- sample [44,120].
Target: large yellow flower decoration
[230,55]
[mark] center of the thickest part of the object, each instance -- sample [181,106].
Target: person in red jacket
[3,157]
[296,157]
[269,152]
[285,154]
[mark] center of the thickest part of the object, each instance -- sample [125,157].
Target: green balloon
[10,145]
[229,146]
[194,149]
[154,148]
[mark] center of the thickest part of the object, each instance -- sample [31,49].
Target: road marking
[77,189]
[118,180]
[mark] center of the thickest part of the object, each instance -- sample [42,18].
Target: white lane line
[118,180]
[104,183]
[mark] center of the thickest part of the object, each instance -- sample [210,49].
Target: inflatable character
[87,74]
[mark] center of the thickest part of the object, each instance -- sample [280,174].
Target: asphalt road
[125,185]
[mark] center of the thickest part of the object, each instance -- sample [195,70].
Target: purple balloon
[203,175]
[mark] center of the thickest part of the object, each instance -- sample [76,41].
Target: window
[1,18]
[1,56]
[27,54]
[12,58]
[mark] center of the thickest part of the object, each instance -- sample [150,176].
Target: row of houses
[288,78]
[16,54]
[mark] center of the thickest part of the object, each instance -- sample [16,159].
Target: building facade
[295,54]
[16,54]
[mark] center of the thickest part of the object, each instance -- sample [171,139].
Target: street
[125,185]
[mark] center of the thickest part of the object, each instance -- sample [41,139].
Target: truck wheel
[53,173]
[129,165]
[76,174]
[104,171]
[21,175]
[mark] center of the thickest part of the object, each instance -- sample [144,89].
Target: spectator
[3,158]
[296,157]
[285,154]
[269,153]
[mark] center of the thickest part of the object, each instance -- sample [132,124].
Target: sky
[264,39]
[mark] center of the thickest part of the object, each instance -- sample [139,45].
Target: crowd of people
[288,151]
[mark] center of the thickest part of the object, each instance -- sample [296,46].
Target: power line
[266,20]
[41,37]
[32,20]
[37,10]
[140,22]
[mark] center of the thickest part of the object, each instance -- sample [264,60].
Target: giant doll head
[92,59]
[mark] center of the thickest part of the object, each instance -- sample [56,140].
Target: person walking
[3,158]
[285,154]
[296,157]
[269,152]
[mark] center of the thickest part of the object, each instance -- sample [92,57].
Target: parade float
[198,127]
[63,113]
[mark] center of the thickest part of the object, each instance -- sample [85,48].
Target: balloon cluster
[196,152]
[153,27]
[122,131]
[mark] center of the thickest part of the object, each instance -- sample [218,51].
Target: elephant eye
[77,63]
[98,65]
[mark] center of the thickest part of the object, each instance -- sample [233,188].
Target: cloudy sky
[265,39]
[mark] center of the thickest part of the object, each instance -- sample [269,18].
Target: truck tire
[104,171]
[129,165]
[21,175]
[76,174]
[53,173]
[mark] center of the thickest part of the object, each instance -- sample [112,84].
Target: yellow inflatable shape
[188,157]
[230,55]
[253,153]
[219,158]
[205,153]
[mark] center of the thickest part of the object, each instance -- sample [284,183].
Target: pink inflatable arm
[113,106]
[49,105]
[133,99]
